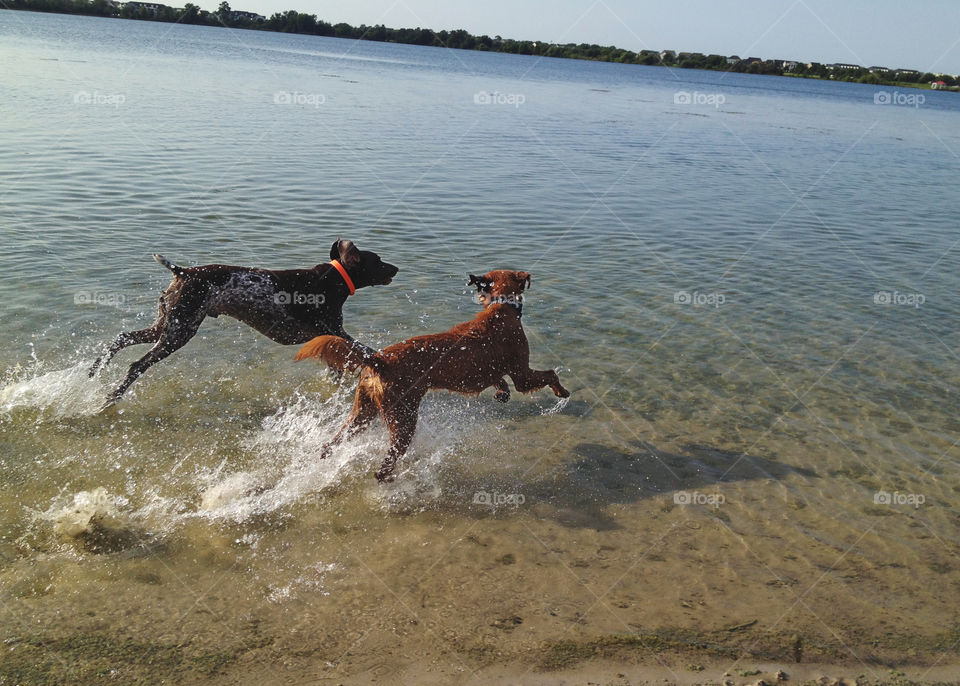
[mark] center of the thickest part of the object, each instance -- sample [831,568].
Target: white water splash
[556,409]
[88,509]
[63,393]
[290,440]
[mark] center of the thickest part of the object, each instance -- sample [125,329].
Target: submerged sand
[565,587]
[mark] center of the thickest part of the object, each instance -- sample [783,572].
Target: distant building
[788,65]
[751,60]
[938,86]
[843,66]
[814,65]
[879,70]
[252,16]
[151,8]
[908,72]
[733,59]
[668,56]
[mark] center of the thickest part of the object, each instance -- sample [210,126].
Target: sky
[922,34]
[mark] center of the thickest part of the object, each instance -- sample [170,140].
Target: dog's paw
[385,473]
[108,403]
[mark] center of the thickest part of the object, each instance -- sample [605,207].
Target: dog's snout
[385,273]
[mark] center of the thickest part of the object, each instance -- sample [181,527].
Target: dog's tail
[177,271]
[339,354]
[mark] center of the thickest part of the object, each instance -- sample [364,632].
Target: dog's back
[468,358]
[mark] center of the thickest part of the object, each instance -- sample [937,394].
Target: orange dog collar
[346,277]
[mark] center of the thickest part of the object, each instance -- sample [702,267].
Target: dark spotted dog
[289,307]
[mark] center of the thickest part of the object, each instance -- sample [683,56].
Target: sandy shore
[604,672]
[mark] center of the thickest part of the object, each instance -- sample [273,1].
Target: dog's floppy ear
[346,252]
[525,276]
[478,282]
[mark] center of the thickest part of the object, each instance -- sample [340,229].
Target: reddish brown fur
[468,358]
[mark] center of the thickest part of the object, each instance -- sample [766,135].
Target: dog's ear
[478,282]
[525,277]
[346,252]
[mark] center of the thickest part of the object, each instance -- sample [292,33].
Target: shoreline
[309,25]
[85,656]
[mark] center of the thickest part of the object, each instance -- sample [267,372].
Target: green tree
[190,13]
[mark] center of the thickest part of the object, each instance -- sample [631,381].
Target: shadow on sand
[578,493]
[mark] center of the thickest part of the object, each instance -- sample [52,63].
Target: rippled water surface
[752,297]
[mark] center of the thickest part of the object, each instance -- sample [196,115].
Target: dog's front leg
[527,380]
[503,390]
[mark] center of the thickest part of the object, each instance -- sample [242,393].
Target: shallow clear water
[752,301]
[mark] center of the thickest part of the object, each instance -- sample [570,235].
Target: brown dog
[468,358]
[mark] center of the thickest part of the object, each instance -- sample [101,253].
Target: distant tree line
[298,22]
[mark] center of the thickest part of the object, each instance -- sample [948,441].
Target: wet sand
[355,585]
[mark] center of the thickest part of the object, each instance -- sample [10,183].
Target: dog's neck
[508,300]
[351,289]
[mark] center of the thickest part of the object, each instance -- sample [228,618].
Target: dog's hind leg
[148,335]
[364,411]
[401,418]
[183,321]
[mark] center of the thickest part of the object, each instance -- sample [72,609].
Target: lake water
[748,283]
